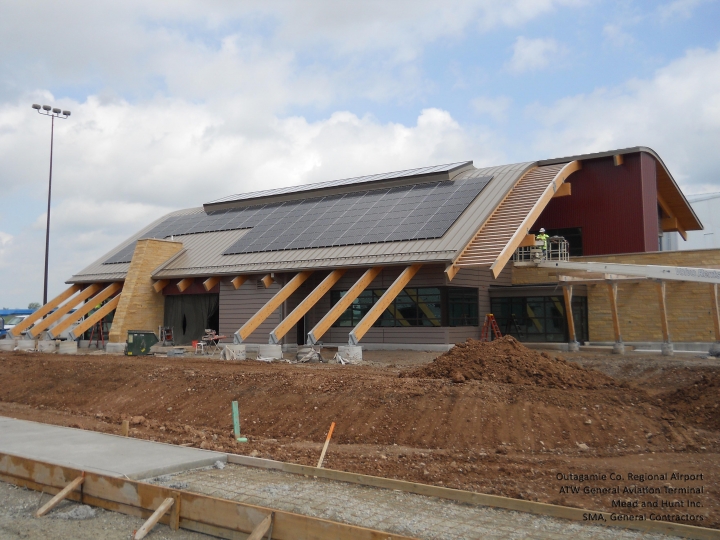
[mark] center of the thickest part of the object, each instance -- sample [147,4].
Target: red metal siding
[616,206]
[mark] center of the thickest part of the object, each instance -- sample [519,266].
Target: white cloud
[532,54]
[616,35]
[676,112]
[496,108]
[678,9]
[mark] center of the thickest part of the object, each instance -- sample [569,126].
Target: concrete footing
[270,351]
[115,348]
[715,349]
[25,344]
[68,347]
[47,346]
[573,346]
[8,344]
[667,349]
[350,352]
[234,351]
[618,348]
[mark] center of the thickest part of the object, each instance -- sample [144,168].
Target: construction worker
[542,237]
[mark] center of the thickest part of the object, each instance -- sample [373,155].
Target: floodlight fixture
[46,107]
[36,106]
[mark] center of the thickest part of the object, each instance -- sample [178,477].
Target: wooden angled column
[667,346]
[619,347]
[715,309]
[83,310]
[338,309]
[304,306]
[95,317]
[18,329]
[573,345]
[283,294]
[56,315]
[382,304]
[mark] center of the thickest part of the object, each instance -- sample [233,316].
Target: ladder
[489,326]
[97,331]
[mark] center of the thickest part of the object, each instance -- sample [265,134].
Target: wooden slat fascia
[537,209]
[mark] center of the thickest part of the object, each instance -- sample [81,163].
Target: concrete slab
[99,452]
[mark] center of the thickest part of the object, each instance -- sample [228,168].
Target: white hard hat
[542,230]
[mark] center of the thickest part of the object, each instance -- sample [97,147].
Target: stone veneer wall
[688,304]
[140,307]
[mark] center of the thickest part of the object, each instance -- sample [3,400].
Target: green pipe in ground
[236,422]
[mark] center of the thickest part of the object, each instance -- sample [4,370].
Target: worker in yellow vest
[542,237]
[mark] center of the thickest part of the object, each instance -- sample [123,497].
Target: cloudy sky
[177,103]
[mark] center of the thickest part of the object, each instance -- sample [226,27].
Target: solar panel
[424,171]
[414,212]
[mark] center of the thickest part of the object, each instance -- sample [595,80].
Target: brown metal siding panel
[649,201]
[237,306]
[607,203]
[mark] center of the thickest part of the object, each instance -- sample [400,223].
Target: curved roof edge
[666,183]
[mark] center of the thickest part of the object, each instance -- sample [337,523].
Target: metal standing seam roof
[202,254]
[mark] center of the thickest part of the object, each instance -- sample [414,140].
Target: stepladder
[489,328]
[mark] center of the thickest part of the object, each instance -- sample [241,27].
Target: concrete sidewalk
[98,452]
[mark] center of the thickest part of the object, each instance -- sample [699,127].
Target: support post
[715,347]
[152,520]
[666,347]
[338,309]
[18,329]
[382,304]
[275,302]
[573,345]
[57,499]
[55,316]
[95,317]
[619,347]
[305,306]
[83,310]
[263,527]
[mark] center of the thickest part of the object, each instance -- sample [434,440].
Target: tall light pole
[53,113]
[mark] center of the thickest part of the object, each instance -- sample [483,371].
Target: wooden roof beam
[237,281]
[18,329]
[210,282]
[382,304]
[83,310]
[275,302]
[56,315]
[95,317]
[160,284]
[671,223]
[338,309]
[310,300]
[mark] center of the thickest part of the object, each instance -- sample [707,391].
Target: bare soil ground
[497,418]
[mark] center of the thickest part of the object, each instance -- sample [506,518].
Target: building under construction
[415,259]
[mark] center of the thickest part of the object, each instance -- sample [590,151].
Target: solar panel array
[413,212]
[424,171]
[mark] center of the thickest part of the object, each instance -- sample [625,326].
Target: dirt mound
[506,360]
[697,404]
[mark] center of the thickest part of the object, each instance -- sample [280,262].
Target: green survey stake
[236,422]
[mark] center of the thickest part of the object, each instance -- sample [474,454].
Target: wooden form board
[202,513]
[103,295]
[338,309]
[95,317]
[382,304]
[56,315]
[283,294]
[310,300]
[470,497]
[19,328]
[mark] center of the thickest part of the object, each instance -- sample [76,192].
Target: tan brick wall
[140,307]
[688,304]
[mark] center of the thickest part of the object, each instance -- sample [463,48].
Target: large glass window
[421,306]
[540,318]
